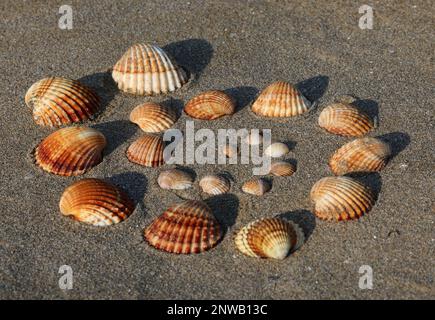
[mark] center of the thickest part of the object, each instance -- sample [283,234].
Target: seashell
[151,117]
[146,69]
[276,150]
[187,227]
[70,151]
[360,155]
[256,186]
[215,184]
[280,99]
[210,105]
[345,120]
[230,150]
[175,179]
[147,151]
[341,198]
[96,202]
[254,138]
[282,168]
[58,101]
[269,238]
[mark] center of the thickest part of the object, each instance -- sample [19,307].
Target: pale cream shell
[175,179]
[276,150]
[215,184]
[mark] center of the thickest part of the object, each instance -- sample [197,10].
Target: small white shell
[276,150]
[175,179]
[254,138]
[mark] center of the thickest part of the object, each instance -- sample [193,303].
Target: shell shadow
[103,84]
[225,208]
[314,88]
[116,133]
[290,144]
[372,180]
[397,141]
[192,54]
[243,96]
[303,218]
[134,183]
[370,107]
[176,104]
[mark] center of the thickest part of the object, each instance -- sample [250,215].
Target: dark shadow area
[225,208]
[370,107]
[188,170]
[103,84]
[191,54]
[226,175]
[176,104]
[290,144]
[116,133]
[372,180]
[134,183]
[242,96]
[314,88]
[303,218]
[397,141]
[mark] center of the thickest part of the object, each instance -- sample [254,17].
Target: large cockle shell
[215,184]
[341,198]
[147,151]
[151,117]
[175,179]
[360,155]
[146,69]
[282,169]
[280,99]
[345,119]
[271,238]
[70,151]
[58,101]
[210,105]
[276,150]
[187,227]
[256,186]
[95,202]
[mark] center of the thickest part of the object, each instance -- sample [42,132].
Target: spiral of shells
[151,117]
[58,101]
[95,202]
[210,105]
[175,179]
[146,69]
[147,151]
[215,184]
[187,227]
[256,187]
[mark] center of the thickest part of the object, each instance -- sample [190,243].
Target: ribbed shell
[280,99]
[175,179]
[277,150]
[58,101]
[151,117]
[282,168]
[341,198]
[187,227]
[271,238]
[95,202]
[254,138]
[345,120]
[70,151]
[215,184]
[360,155]
[256,186]
[146,69]
[210,105]
[147,151]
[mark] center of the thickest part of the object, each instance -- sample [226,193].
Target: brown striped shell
[360,155]
[146,69]
[58,101]
[215,184]
[256,186]
[210,105]
[282,168]
[147,151]
[151,117]
[280,99]
[271,238]
[175,179]
[345,119]
[96,202]
[70,151]
[186,227]
[276,150]
[341,198]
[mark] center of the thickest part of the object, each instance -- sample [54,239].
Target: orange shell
[215,184]
[147,151]
[151,117]
[282,168]
[210,105]
[256,186]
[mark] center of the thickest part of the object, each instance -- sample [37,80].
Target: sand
[239,47]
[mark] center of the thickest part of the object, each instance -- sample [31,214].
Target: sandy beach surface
[239,47]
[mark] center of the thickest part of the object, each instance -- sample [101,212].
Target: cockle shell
[341,198]
[360,155]
[345,120]
[70,151]
[276,150]
[271,238]
[256,186]
[210,105]
[58,101]
[215,184]
[175,179]
[95,202]
[146,69]
[147,151]
[282,168]
[186,227]
[280,99]
[151,117]
[254,138]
